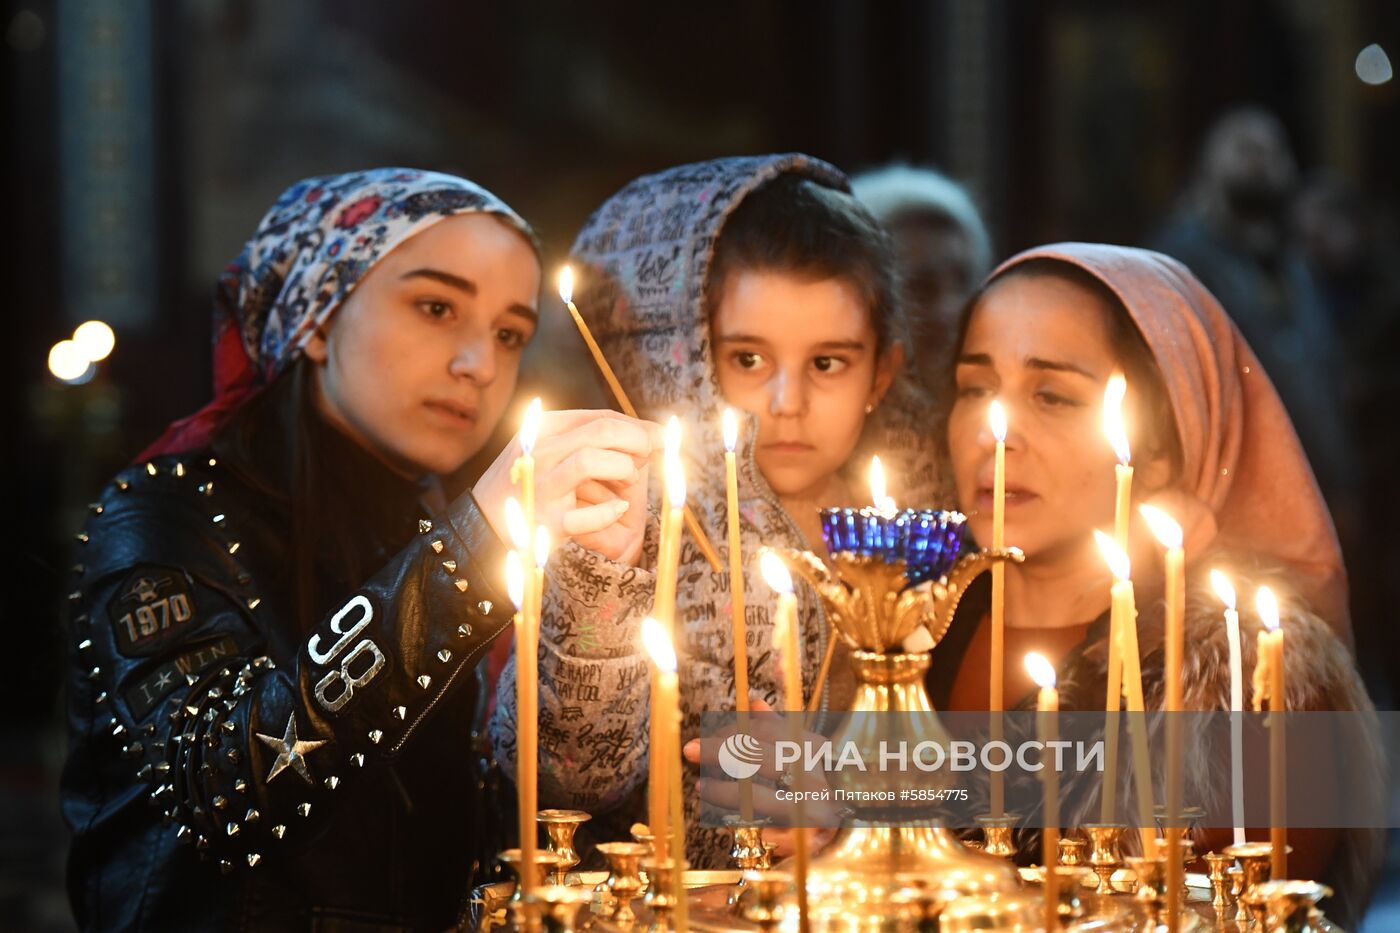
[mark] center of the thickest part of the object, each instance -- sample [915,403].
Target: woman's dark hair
[1154,428]
[795,225]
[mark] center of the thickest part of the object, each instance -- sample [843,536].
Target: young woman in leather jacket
[275,618]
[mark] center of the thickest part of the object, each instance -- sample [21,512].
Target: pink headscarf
[1246,482]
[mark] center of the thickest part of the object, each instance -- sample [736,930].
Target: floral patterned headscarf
[306,257]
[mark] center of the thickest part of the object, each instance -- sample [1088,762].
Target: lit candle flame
[877,485]
[1164,527]
[730,426]
[996,414]
[541,546]
[566,285]
[1113,395]
[530,430]
[673,437]
[1116,557]
[95,339]
[1223,589]
[658,645]
[1266,604]
[675,482]
[515,524]
[515,579]
[775,572]
[1041,670]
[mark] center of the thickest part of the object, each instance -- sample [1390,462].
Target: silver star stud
[165,680]
[290,751]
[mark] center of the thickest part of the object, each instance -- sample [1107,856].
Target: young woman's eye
[510,338]
[1056,400]
[829,364]
[747,359]
[437,310]
[973,391]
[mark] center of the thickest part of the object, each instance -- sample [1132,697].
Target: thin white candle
[1226,592]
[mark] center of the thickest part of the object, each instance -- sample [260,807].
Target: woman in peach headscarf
[1211,443]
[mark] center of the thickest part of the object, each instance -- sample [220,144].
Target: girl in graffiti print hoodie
[757,283]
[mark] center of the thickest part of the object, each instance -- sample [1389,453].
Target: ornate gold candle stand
[1105,855]
[546,863]
[872,607]
[1255,859]
[560,826]
[624,879]
[1236,876]
[1069,888]
[1151,894]
[997,835]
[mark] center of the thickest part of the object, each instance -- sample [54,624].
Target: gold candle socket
[997,833]
[1236,876]
[1070,878]
[560,826]
[1151,893]
[545,863]
[1105,855]
[661,894]
[1256,860]
[558,906]
[1219,864]
[1072,851]
[765,908]
[1292,905]
[748,852]
[624,878]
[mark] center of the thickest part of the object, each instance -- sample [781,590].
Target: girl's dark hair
[342,524]
[1154,428]
[795,225]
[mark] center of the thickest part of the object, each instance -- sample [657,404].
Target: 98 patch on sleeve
[150,608]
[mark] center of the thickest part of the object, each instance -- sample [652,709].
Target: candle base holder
[559,906]
[661,894]
[1105,852]
[1236,876]
[624,880]
[1292,905]
[1186,852]
[1255,860]
[997,835]
[1151,894]
[765,906]
[748,852]
[560,826]
[1072,851]
[545,864]
[1219,865]
[1068,888]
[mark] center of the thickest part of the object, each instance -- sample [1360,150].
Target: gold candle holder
[1236,876]
[997,834]
[765,907]
[1292,905]
[1105,854]
[545,863]
[559,905]
[1256,860]
[1186,852]
[748,852]
[624,879]
[1219,864]
[560,826]
[1072,851]
[661,896]
[1151,872]
[1070,884]
[770,859]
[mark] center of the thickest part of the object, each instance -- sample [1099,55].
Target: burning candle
[996,415]
[666,715]
[785,642]
[730,425]
[1113,429]
[1168,533]
[527,719]
[1047,705]
[884,504]
[1269,685]
[1124,612]
[566,294]
[1226,592]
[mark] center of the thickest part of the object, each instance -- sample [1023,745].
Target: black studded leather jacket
[226,770]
